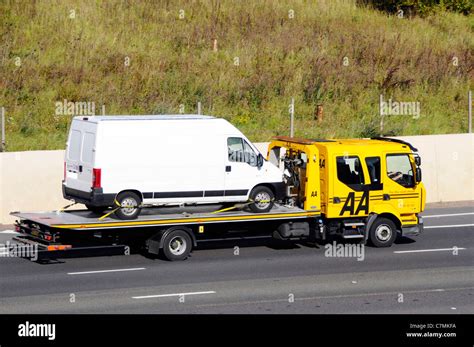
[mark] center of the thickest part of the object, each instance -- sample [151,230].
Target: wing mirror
[418,175]
[259,160]
[417,160]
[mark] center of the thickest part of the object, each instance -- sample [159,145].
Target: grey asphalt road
[431,273]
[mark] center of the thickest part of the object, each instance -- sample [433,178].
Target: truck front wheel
[177,245]
[383,232]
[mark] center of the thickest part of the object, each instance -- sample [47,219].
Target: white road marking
[8,232]
[448,215]
[448,226]
[104,271]
[362,295]
[169,295]
[431,250]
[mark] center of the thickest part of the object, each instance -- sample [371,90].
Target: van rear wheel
[262,198]
[130,203]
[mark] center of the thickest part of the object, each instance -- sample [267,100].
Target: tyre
[177,245]
[131,205]
[263,199]
[96,209]
[383,232]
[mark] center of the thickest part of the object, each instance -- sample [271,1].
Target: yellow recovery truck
[364,188]
[367,190]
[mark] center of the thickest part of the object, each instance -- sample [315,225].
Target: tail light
[96,178]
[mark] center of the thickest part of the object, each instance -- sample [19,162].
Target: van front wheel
[262,198]
[130,203]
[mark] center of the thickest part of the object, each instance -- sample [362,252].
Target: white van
[171,159]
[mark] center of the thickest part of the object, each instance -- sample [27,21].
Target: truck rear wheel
[177,245]
[131,205]
[262,198]
[383,232]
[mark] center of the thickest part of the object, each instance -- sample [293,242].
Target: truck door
[350,195]
[399,187]
[241,168]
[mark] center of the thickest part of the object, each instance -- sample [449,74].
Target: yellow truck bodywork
[328,181]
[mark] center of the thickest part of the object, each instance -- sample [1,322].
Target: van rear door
[80,153]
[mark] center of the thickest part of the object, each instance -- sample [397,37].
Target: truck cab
[359,185]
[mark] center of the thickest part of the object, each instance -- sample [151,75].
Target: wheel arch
[393,218]
[130,190]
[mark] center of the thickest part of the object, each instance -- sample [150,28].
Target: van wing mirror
[259,160]
[418,175]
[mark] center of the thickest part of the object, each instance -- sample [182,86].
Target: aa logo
[349,205]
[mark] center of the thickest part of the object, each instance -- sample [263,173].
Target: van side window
[240,151]
[400,170]
[349,170]
[88,147]
[373,166]
[75,144]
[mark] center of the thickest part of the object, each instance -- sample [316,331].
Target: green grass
[172,63]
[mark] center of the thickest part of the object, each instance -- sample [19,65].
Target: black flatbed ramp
[157,216]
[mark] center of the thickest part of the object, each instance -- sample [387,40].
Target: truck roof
[389,143]
[96,119]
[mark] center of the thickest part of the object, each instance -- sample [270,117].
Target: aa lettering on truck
[349,205]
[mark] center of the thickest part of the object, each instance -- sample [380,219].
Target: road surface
[431,273]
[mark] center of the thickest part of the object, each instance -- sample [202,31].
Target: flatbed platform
[160,216]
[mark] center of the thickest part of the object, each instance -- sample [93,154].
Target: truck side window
[399,169]
[349,170]
[373,166]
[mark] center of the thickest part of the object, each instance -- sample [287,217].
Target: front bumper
[95,197]
[413,230]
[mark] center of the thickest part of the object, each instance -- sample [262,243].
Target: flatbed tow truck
[174,230]
[367,190]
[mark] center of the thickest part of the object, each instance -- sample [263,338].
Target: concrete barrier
[31,181]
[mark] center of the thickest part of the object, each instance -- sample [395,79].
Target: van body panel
[169,159]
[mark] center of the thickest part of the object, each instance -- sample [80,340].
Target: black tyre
[177,245]
[96,209]
[131,205]
[263,199]
[383,232]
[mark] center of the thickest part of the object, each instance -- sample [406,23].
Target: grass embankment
[332,53]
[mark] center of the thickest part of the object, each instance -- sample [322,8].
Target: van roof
[96,119]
